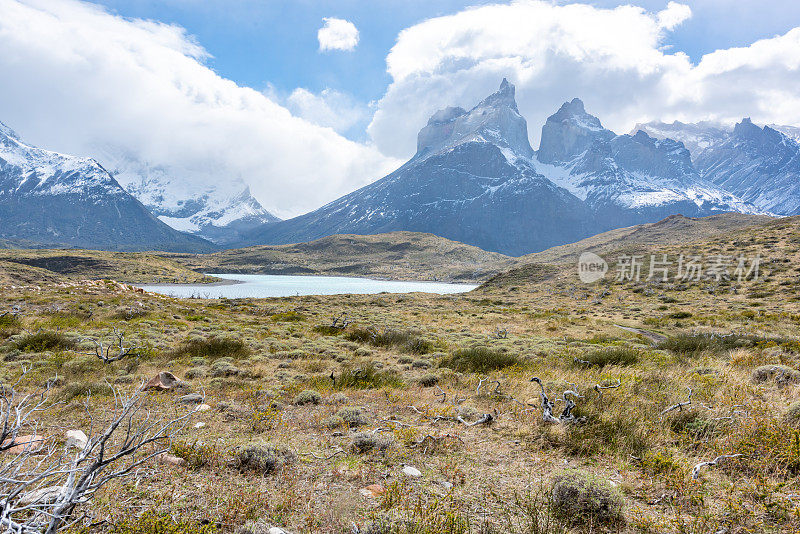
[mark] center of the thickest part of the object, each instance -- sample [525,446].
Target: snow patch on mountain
[198,201]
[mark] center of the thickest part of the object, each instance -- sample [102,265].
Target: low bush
[582,498]
[212,348]
[152,522]
[366,441]
[608,356]
[196,454]
[479,360]
[264,459]
[288,317]
[44,340]
[780,374]
[308,396]
[82,389]
[402,340]
[354,417]
[428,381]
[792,414]
[367,378]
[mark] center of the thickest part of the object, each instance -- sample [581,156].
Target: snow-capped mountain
[476,179]
[57,199]
[471,180]
[758,164]
[625,179]
[197,201]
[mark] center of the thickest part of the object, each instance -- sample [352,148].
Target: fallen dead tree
[44,489]
[104,350]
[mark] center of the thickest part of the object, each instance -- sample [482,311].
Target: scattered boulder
[168,459]
[373,491]
[163,381]
[202,408]
[22,444]
[77,439]
[191,398]
[412,472]
[582,498]
[259,527]
[44,495]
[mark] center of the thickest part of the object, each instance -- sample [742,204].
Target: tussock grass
[608,356]
[44,340]
[212,348]
[404,341]
[479,360]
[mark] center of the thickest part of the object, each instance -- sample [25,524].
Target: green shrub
[82,389]
[212,348]
[288,317]
[367,378]
[792,414]
[367,441]
[404,341]
[354,417]
[779,373]
[608,356]
[264,459]
[196,454]
[152,522]
[692,344]
[333,421]
[582,498]
[428,381]
[308,396]
[44,340]
[479,360]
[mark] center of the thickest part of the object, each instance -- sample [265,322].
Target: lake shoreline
[238,285]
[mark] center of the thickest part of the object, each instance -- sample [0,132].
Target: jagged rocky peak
[748,131]
[569,132]
[5,131]
[495,120]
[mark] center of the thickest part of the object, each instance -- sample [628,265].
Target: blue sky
[261,42]
[302,127]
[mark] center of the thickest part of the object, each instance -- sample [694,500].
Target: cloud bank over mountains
[78,78]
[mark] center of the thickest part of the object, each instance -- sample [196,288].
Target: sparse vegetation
[479,360]
[582,498]
[264,459]
[212,348]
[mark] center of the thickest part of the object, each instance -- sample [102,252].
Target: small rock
[191,398]
[23,444]
[202,408]
[199,424]
[372,491]
[162,381]
[41,495]
[77,439]
[168,459]
[412,471]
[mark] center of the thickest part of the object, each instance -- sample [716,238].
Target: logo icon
[591,267]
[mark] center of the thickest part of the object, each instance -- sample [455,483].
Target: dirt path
[652,336]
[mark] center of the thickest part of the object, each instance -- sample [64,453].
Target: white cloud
[76,78]
[616,60]
[337,34]
[329,108]
[673,15]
